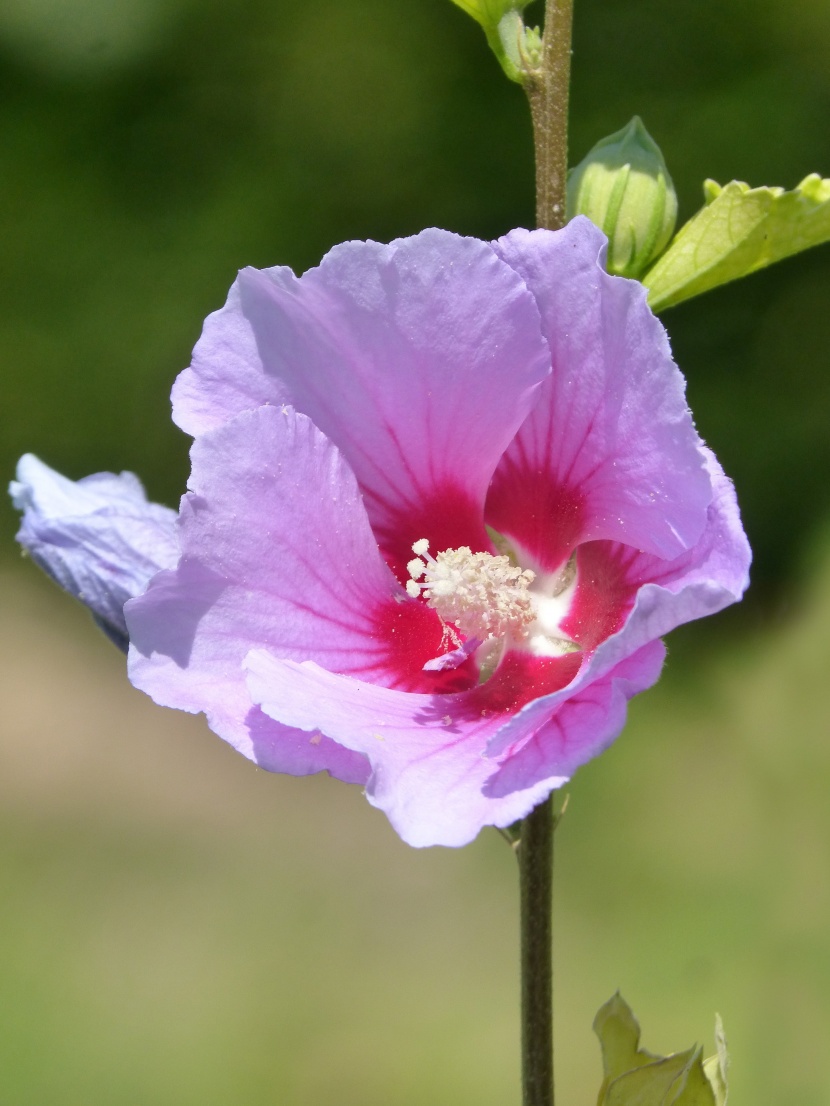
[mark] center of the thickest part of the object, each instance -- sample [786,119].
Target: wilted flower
[98,537]
[446,497]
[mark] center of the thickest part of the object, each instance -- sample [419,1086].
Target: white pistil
[484,596]
[552,600]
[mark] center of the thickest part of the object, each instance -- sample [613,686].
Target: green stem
[547,90]
[535,851]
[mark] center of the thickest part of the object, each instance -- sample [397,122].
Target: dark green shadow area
[147,159]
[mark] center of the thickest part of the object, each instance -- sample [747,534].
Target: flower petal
[583,726]
[276,551]
[701,581]
[278,748]
[226,375]
[428,772]
[610,450]
[419,360]
[98,537]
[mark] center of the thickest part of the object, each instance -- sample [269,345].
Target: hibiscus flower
[446,498]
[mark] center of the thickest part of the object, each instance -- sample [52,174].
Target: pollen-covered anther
[484,596]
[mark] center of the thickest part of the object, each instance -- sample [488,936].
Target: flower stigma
[552,599]
[493,601]
[485,596]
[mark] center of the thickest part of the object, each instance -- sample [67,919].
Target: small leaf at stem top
[489,12]
[516,46]
[740,230]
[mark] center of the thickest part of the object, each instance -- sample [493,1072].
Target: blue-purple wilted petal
[99,537]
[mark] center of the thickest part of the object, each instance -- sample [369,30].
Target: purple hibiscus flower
[446,498]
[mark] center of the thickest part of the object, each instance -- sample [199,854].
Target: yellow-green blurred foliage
[177,927]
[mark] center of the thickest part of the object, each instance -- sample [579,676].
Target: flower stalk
[547,89]
[535,854]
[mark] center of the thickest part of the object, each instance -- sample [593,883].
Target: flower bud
[624,187]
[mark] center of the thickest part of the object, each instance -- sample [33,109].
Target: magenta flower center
[494,602]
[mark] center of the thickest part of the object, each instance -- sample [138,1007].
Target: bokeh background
[177,927]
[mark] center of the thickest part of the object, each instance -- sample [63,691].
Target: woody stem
[547,90]
[535,853]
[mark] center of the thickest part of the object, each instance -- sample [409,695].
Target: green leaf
[619,1038]
[740,230]
[663,1082]
[517,47]
[717,1066]
[694,1089]
[489,12]
[634,1077]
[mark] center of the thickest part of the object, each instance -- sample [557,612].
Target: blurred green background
[177,927]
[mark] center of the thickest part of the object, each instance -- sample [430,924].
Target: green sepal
[740,230]
[517,47]
[634,1077]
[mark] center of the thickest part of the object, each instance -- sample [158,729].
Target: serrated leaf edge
[813,190]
